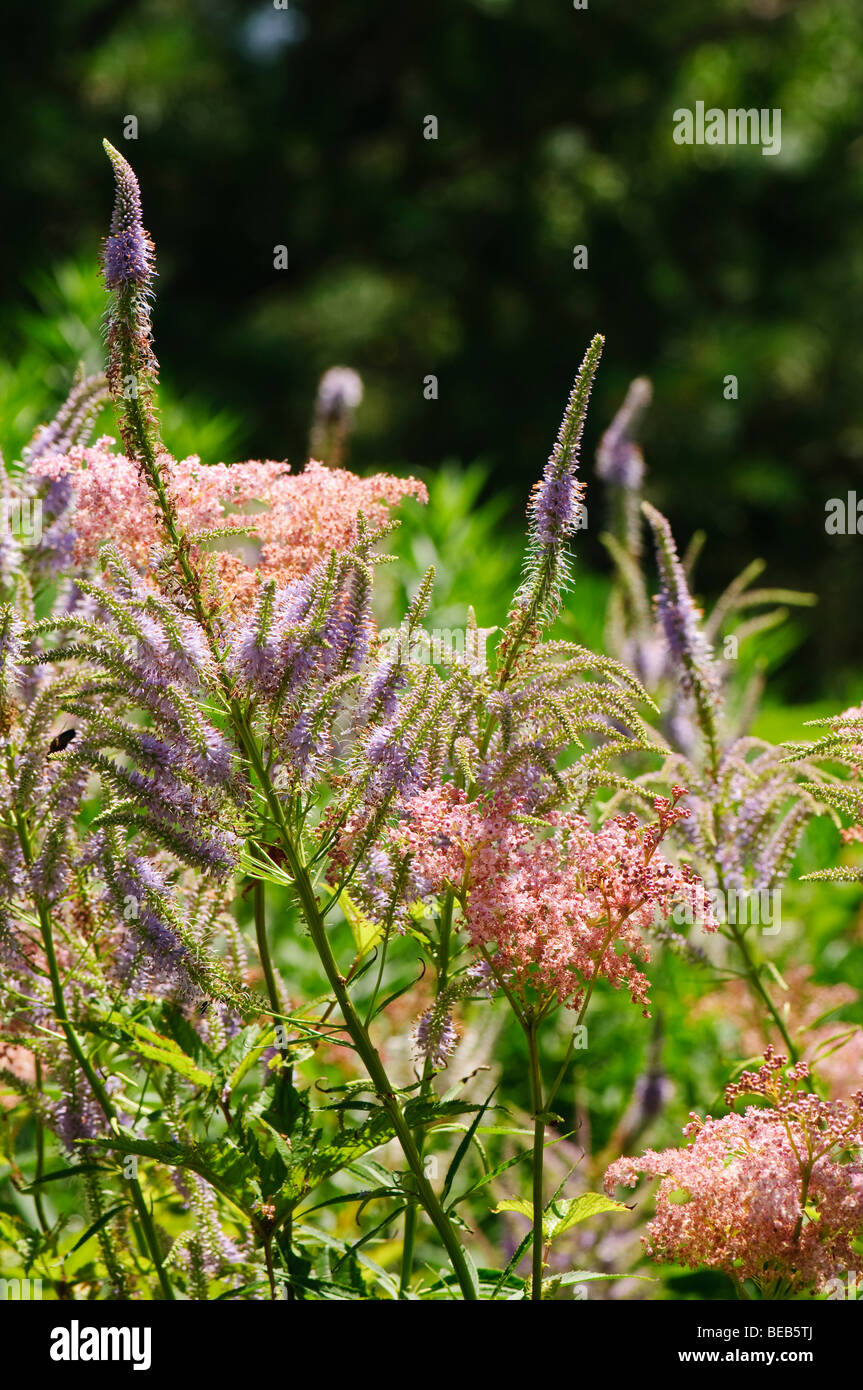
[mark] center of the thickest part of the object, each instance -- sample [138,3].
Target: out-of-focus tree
[452,257]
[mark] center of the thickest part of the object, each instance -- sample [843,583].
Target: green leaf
[776,975]
[184,1035]
[586,1276]
[519,1204]
[367,933]
[505,1129]
[519,1252]
[490,1176]
[70,1172]
[471,1269]
[254,1054]
[14,1232]
[274,1161]
[222,1164]
[462,1149]
[262,867]
[97,1225]
[155,1047]
[562,1216]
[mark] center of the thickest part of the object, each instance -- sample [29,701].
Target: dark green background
[454,257]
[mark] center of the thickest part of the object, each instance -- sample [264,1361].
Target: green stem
[538,1156]
[264,946]
[752,975]
[285,1077]
[362,1042]
[40,1156]
[749,966]
[412,1212]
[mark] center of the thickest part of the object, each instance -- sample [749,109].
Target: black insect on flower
[61,741]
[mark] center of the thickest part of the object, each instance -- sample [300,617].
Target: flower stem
[359,1036]
[40,1156]
[749,966]
[264,946]
[538,1156]
[412,1212]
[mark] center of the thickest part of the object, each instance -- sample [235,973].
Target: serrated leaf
[462,1149]
[222,1164]
[519,1204]
[366,933]
[70,1172]
[155,1047]
[254,1054]
[562,1216]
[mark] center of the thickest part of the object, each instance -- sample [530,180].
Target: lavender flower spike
[619,460]
[129,254]
[72,423]
[554,510]
[128,266]
[554,506]
[687,644]
[435,1038]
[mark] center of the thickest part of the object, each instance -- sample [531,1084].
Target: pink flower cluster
[298,518]
[760,1195]
[559,908]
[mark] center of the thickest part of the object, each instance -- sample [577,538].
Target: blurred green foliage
[259,127]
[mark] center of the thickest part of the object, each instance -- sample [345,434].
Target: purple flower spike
[435,1036]
[129,257]
[618,458]
[555,508]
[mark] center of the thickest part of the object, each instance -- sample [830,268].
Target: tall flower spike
[555,506]
[129,255]
[680,622]
[128,265]
[619,460]
[73,422]
[620,463]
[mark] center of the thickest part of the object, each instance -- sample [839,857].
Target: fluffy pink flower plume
[559,909]
[305,515]
[760,1195]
